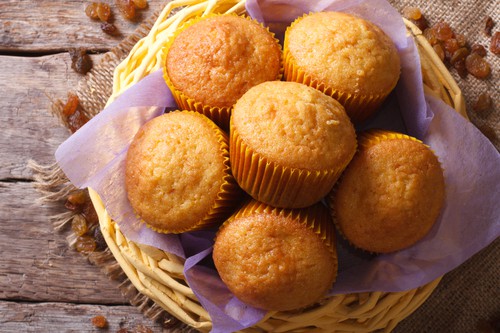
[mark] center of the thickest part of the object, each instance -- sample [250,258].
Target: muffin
[289,143]
[177,173]
[214,60]
[277,259]
[345,57]
[390,195]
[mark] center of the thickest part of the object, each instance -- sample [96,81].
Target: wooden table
[44,285]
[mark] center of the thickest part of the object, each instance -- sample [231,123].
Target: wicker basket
[159,275]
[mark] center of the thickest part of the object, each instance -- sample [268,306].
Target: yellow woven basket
[159,275]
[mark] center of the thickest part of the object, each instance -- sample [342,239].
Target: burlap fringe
[54,187]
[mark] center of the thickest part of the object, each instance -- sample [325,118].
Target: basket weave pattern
[159,275]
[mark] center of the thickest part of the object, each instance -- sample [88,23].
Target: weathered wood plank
[56,25]
[36,263]
[66,317]
[29,130]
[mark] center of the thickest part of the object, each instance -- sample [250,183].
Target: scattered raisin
[142,329]
[477,66]
[109,28]
[89,213]
[462,41]
[450,47]
[141,4]
[495,43]
[488,25]
[91,11]
[459,55]
[85,244]
[122,330]
[79,225]
[443,31]
[461,68]
[75,201]
[439,51]
[412,13]
[71,105]
[126,8]
[77,120]
[103,11]
[479,49]
[430,35]
[99,321]
[483,103]
[99,239]
[80,60]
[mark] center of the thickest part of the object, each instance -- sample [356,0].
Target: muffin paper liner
[218,114]
[94,157]
[274,184]
[228,197]
[359,107]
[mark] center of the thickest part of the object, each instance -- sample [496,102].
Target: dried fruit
[77,120]
[459,55]
[109,28]
[495,43]
[103,11]
[461,68]
[85,244]
[450,47]
[462,41]
[75,201]
[142,329]
[430,35]
[477,66]
[91,11]
[99,239]
[99,321]
[412,13]
[479,49]
[80,60]
[71,105]
[483,103]
[439,51]
[488,25]
[141,4]
[89,213]
[126,8]
[443,31]
[79,225]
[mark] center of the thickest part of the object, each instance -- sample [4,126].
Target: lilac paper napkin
[94,157]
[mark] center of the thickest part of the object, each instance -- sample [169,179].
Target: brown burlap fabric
[467,299]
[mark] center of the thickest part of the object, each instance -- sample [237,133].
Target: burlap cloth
[467,299]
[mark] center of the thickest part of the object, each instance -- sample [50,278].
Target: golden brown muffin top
[217,59]
[295,126]
[390,195]
[273,261]
[345,52]
[174,170]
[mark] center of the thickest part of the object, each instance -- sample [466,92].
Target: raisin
[91,11]
[443,31]
[141,4]
[77,120]
[103,12]
[412,13]
[75,201]
[126,8]
[450,47]
[483,103]
[109,28]
[122,330]
[431,36]
[461,40]
[461,68]
[495,43]
[85,244]
[79,225]
[100,321]
[80,61]
[142,329]
[459,55]
[89,213]
[477,66]
[421,23]
[479,49]
[99,239]
[488,25]
[71,105]
[439,51]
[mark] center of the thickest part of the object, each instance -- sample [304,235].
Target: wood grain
[36,263]
[56,25]
[67,317]
[28,85]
